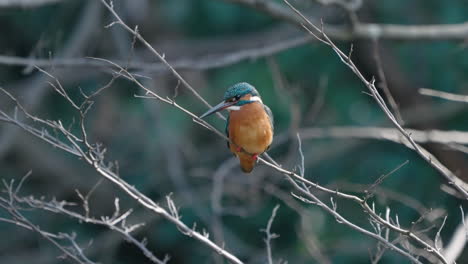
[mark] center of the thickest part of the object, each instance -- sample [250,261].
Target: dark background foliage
[161,151]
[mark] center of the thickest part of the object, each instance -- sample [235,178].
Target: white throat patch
[256,98]
[233,108]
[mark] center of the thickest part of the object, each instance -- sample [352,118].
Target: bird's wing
[226,131]
[270,115]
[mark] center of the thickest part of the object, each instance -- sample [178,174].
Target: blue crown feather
[240,89]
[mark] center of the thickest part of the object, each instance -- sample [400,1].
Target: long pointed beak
[217,108]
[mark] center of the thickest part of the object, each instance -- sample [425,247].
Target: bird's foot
[239,149]
[255,156]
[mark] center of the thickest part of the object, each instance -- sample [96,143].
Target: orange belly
[250,129]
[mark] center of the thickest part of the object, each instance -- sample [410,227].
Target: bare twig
[270,236]
[385,194]
[371,190]
[116,223]
[73,251]
[437,240]
[383,84]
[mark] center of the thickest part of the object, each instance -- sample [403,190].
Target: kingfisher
[249,125]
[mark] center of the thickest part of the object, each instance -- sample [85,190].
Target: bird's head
[235,97]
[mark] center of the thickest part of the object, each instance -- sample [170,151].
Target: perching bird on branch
[249,126]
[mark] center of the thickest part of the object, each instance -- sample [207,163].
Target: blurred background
[215,44]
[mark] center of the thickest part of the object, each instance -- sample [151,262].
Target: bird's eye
[234,99]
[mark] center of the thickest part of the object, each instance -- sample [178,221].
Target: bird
[249,125]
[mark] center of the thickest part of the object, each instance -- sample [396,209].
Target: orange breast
[250,129]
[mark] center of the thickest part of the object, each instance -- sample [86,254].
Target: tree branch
[27,3]
[444,95]
[209,61]
[364,30]
[385,133]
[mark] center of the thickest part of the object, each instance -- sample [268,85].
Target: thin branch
[384,193]
[270,236]
[437,240]
[372,188]
[383,84]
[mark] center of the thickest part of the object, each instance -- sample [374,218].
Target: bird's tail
[247,162]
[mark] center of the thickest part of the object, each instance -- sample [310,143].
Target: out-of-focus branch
[384,133]
[458,241]
[444,95]
[364,30]
[27,3]
[349,5]
[200,63]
